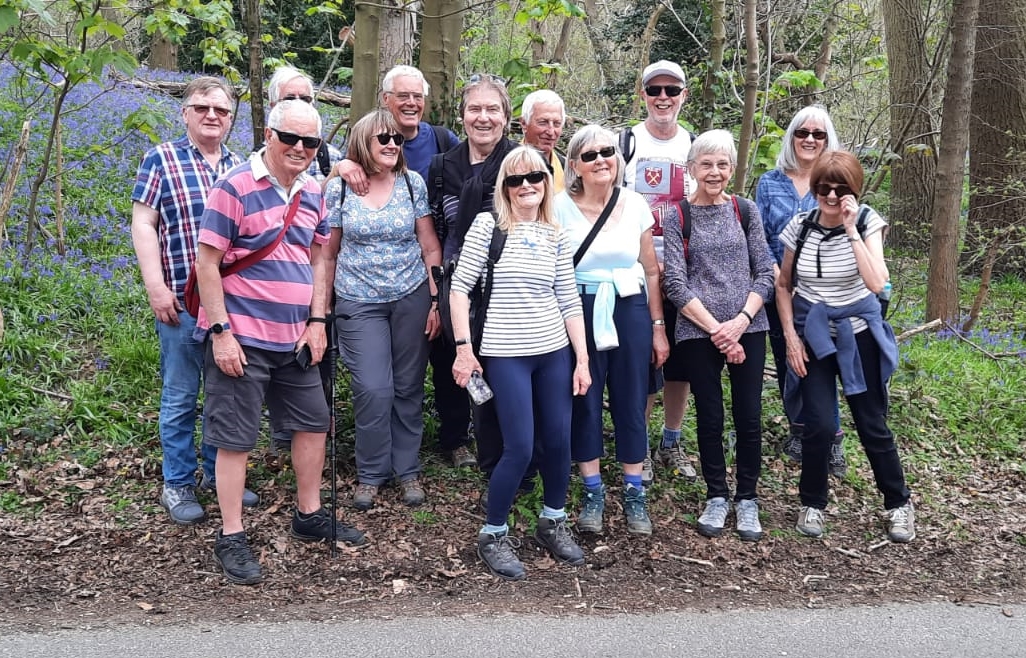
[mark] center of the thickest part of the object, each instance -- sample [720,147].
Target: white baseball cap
[663,67]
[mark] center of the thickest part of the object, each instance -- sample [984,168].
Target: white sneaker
[747,516]
[901,523]
[810,522]
[711,523]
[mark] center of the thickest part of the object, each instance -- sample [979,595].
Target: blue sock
[670,437]
[633,481]
[592,482]
[554,514]
[497,530]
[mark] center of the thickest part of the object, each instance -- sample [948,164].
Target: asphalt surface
[938,630]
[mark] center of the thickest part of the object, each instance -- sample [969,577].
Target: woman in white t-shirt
[618,279]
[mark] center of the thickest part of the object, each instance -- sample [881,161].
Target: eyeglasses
[298,97]
[606,152]
[291,139]
[516,180]
[672,91]
[406,96]
[203,110]
[818,135]
[824,189]
[396,138]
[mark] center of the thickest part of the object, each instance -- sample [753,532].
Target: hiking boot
[413,493]
[810,522]
[746,513]
[901,523]
[793,444]
[317,527]
[499,555]
[838,464]
[181,505]
[635,509]
[647,471]
[590,518]
[363,497]
[249,498]
[236,559]
[463,458]
[677,460]
[713,518]
[556,537]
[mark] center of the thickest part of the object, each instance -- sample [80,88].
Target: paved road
[895,631]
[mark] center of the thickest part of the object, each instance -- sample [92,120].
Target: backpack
[436,188]
[742,211]
[323,160]
[480,295]
[626,141]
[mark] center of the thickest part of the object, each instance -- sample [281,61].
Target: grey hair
[787,160]
[589,135]
[278,113]
[404,71]
[283,75]
[713,141]
[541,97]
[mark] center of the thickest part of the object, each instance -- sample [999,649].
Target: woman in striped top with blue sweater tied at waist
[534,316]
[834,329]
[618,279]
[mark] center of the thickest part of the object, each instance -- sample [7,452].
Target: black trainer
[556,537]
[497,552]
[317,527]
[236,560]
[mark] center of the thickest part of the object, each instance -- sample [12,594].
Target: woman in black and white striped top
[534,315]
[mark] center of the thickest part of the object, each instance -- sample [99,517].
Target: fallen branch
[849,552]
[814,576]
[929,326]
[879,544]
[53,394]
[958,335]
[684,558]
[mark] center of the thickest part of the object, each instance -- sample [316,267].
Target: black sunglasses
[203,110]
[824,189]
[606,152]
[396,138]
[672,91]
[297,97]
[516,180]
[818,135]
[291,139]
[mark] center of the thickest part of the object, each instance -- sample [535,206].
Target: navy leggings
[533,403]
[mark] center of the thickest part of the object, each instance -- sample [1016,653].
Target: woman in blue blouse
[780,195]
[385,245]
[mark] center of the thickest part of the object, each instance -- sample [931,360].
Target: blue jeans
[181,370]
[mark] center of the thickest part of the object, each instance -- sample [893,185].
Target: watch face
[219,327]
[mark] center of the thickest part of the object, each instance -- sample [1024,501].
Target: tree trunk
[912,102]
[942,286]
[397,35]
[251,16]
[717,43]
[997,133]
[751,94]
[365,60]
[163,53]
[440,38]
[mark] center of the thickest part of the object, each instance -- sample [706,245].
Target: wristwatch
[462,341]
[220,327]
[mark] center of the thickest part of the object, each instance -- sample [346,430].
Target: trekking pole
[331,355]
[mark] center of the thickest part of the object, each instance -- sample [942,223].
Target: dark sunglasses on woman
[396,138]
[606,152]
[516,180]
[818,135]
[824,189]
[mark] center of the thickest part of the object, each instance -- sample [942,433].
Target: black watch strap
[462,341]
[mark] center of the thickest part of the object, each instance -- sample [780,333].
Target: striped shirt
[174,179]
[534,292]
[268,303]
[841,283]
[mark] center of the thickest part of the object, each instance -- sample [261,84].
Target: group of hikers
[571,284]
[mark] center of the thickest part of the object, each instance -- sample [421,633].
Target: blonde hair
[522,157]
[367,128]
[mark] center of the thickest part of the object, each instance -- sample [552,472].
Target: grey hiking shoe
[463,458]
[249,498]
[556,538]
[181,505]
[499,555]
[363,497]
[810,522]
[635,509]
[647,471]
[747,517]
[590,518]
[838,464]
[413,492]
[714,517]
[677,461]
[793,444]
[235,558]
[901,523]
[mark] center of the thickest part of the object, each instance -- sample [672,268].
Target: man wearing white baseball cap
[656,151]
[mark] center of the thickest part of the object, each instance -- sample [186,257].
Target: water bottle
[480,391]
[885,298]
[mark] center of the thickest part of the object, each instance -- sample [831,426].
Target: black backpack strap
[684,208]
[323,160]
[409,187]
[495,247]
[626,140]
[436,186]
[743,210]
[810,221]
[441,138]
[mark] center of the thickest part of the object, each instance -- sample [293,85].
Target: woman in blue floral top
[386,309]
[780,195]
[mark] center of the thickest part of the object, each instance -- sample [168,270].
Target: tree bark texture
[717,44]
[441,32]
[912,128]
[751,94]
[366,49]
[942,286]
[163,53]
[251,16]
[997,137]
